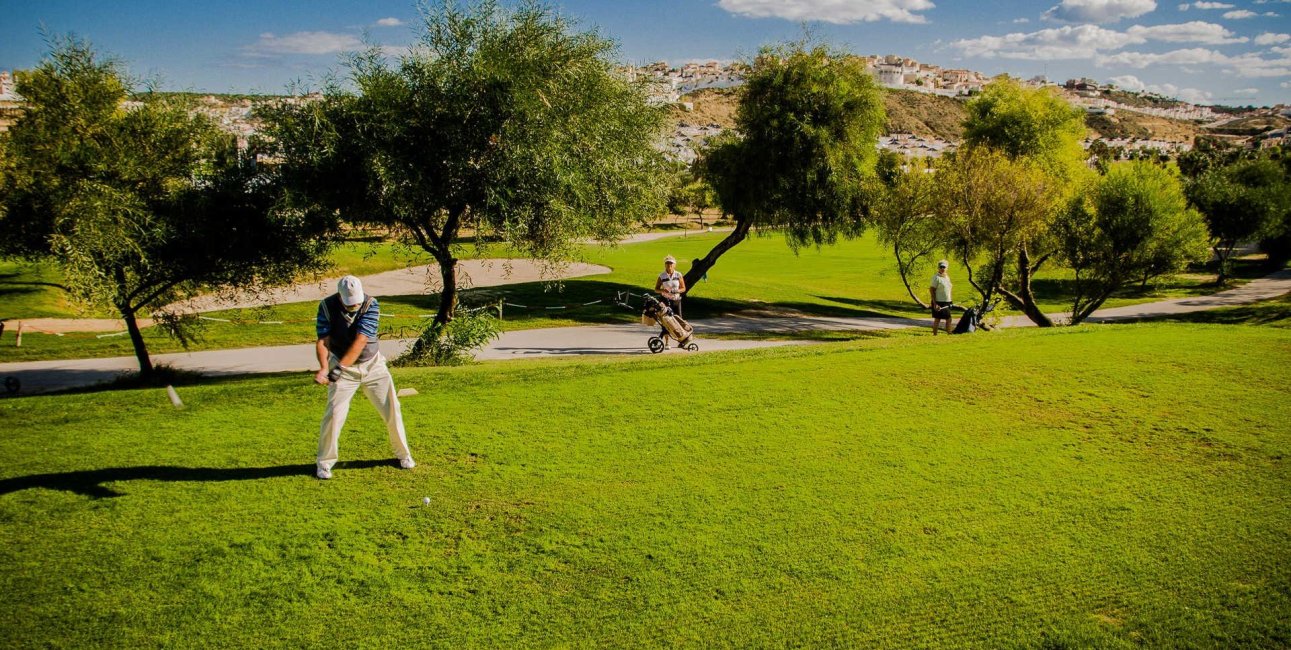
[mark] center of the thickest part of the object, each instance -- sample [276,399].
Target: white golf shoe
[324,473]
[407,463]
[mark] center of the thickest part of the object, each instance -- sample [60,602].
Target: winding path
[43,376]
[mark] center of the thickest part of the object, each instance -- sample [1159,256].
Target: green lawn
[1101,486]
[854,278]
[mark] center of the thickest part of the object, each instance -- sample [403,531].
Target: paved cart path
[43,376]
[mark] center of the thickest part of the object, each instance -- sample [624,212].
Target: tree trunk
[905,279]
[699,267]
[140,349]
[448,296]
[1025,299]
[1222,254]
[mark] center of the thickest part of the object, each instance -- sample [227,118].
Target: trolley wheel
[656,344]
[692,347]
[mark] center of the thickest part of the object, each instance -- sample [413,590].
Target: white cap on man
[351,290]
[670,260]
[943,264]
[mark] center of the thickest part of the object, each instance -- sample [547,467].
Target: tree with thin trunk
[802,154]
[1021,160]
[906,219]
[1133,224]
[995,212]
[509,124]
[141,203]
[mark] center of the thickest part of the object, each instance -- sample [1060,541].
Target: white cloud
[1269,38]
[303,43]
[1240,14]
[1098,11]
[1081,42]
[1021,21]
[1193,95]
[1088,41]
[1184,7]
[1176,57]
[1194,32]
[1247,91]
[1213,5]
[832,11]
[1270,14]
[1245,65]
[389,22]
[1285,84]
[1129,82]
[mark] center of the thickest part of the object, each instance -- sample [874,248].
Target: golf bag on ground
[973,318]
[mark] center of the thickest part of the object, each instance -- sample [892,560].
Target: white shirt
[943,285]
[670,284]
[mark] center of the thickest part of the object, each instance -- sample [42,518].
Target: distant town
[671,85]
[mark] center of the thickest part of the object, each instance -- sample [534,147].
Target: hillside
[711,106]
[924,115]
[908,112]
[1128,124]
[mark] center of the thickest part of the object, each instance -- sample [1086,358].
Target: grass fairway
[1090,487]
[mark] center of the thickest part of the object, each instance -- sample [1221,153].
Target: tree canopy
[802,156]
[1133,225]
[141,205]
[507,123]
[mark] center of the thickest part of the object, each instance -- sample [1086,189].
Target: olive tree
[906,220]
[802,155]
[1244,201]
[507,124]
[1000,193]
[1134,224]
[141,204]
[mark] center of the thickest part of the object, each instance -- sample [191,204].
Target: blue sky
[1230,52]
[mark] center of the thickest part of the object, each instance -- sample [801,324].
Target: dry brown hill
[943,117]
[1128,124]
[712,106]
[925,115]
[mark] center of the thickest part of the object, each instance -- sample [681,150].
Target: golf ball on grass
[425,501]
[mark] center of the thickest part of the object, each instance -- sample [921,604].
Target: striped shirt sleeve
[321,325]
[369,320]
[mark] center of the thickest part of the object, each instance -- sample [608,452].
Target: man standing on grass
[348,357]
[939,292]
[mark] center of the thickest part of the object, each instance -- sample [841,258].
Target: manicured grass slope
[1097,486]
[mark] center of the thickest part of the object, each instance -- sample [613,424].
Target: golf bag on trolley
[657,313]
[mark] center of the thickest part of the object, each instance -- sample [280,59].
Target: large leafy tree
[143,203]
[995,212]
[508,124]
[802,156]
[1244,201]
[1021,160]
[1134,224]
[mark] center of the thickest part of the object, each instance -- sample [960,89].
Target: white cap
[351,290]
[943,264]
[670,259]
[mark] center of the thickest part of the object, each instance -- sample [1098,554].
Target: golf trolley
[974,318]
[656,313]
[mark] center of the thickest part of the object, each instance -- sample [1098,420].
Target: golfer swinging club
[348,357]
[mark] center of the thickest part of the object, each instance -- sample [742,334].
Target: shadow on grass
[92,483]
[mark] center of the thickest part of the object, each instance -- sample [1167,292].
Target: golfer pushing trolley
[666,310]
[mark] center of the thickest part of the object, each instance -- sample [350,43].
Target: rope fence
[621,299]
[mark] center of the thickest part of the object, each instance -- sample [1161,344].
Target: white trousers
[374,376]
